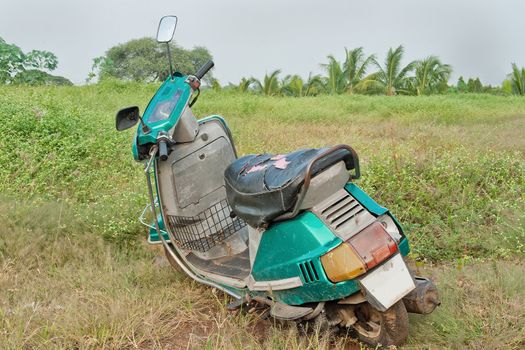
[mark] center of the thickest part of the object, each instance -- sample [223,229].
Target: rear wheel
[378,328]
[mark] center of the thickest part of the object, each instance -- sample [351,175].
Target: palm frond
[518,80]
[370,84]
[292,85]
[355,67]
[364,66]
[391,74]
[430,76]
[314,85]
[335,81]
[270,84]
[258,84]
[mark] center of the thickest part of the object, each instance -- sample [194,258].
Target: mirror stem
[169,58]
[145,128]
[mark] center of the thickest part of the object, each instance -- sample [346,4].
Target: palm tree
[430,76]
[245,84]
[355,66]
[343,77]
[517,78]
[336,80]
[270,84]
[294,85]
[392,77]
[314,85]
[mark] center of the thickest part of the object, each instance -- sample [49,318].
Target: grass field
[75,271]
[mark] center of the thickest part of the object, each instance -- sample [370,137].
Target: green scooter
[289,232]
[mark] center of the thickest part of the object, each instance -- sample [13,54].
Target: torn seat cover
[262,187]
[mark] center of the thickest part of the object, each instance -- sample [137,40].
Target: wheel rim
[368,321]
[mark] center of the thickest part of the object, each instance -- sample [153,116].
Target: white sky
[248,38]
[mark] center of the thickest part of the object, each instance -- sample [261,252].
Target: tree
[270,85]
[27,68]
[336,80]
[294,85]
[38,77]
[41,60]
[392,77]
[11,61]
[355,67]
[344,77]
[506,86]
[314,85]
[431,76]
[146,60]
[138,60]
[370,85]
[102,68]
[189,61]
[245,84]
[461,85]
[517,79]
[474,85]
[215,85]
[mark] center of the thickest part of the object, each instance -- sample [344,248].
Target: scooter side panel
[293,248]
[365,199]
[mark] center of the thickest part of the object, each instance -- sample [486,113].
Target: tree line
[145,60]
[353,75]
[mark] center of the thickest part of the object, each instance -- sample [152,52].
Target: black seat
[262,187]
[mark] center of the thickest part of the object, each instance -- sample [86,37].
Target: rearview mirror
[166,29]
[127,117]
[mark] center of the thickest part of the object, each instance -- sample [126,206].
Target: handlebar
[204,69]
[163,150]
[163,145]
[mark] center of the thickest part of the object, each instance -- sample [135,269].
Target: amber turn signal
[342,263]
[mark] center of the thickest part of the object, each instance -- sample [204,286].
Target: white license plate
[389,282]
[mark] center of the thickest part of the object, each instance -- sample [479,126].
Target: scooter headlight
[342,263]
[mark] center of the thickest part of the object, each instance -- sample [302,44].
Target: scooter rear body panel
[294,247]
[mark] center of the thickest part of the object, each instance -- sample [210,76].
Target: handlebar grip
[204,69]
[163,150]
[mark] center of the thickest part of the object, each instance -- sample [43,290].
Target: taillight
[373,244]
[370,247]
[390,227]
[342,263]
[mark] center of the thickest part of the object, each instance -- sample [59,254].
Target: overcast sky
[249,38]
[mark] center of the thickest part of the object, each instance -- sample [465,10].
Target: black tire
[378,328]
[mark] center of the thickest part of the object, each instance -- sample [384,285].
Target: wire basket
[207,229]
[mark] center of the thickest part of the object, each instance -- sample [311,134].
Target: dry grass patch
[62,286]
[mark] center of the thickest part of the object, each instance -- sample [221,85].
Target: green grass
[74,271]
